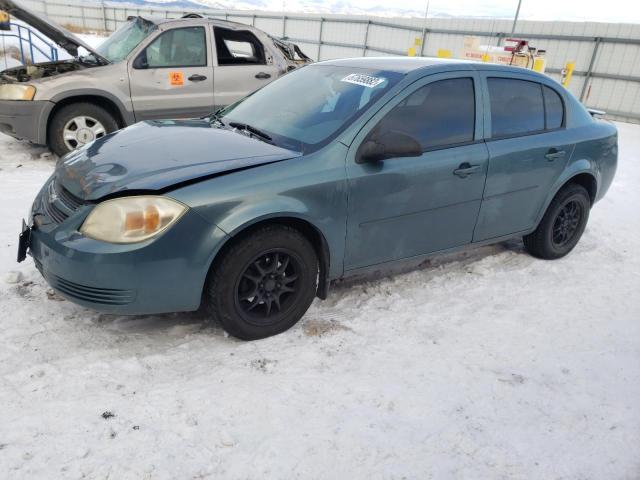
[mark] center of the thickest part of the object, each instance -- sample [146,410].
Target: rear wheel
[562,225]
[264,283]
[77,124]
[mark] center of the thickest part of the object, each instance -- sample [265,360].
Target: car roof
[409,64]
[196,18]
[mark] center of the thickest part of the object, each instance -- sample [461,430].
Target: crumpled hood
[60,35]
[154,155]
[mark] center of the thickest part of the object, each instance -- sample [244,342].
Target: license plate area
[24,241]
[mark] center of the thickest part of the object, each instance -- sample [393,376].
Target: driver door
[402,207]
[172,77]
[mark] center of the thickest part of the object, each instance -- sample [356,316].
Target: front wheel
[562,225]
[264,283]
[77,124]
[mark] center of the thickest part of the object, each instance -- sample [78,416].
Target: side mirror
[390,144]
[140,63]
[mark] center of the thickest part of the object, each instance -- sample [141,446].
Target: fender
[126,114]
[281,207]
[576,167]
[328,270]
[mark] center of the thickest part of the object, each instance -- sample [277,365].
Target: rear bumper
[25,120]
[162,275]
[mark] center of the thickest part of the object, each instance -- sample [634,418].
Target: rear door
[172,77]
[527,150]
[408,206]
[242,65]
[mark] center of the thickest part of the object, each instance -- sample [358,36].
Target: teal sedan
[336,169]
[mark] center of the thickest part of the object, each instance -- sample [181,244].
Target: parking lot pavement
[485,364]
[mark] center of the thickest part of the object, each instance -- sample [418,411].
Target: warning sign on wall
[176,78]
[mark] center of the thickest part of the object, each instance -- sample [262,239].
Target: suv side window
[238,47]
[438,115]
[553,108]
[180,47]
[517,107]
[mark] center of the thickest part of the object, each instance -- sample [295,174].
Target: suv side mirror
[390,144]
[140,63]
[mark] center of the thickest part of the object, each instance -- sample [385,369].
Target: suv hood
[156,155]
[55,32]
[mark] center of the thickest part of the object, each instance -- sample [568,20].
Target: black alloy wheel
[566,223]
[268,286]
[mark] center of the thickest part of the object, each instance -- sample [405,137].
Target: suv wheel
[264,283]
[77,124]
[562,224]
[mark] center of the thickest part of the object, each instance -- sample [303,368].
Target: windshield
[119,45]
[307,108]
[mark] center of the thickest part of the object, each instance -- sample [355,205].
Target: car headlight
[131,219]
[12,91]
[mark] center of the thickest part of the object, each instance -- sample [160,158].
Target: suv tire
[87,120]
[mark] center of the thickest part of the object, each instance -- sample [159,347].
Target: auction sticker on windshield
[363,80]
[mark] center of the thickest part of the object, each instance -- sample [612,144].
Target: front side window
[180,47]
[238,47]
[437,115]
[306,108]
[517,107]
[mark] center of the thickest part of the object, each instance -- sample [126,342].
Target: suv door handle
[554,153]
[196,78]
[466,169]
[263,75]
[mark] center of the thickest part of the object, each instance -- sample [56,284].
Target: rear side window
[439,114]
[180,47]
[553,107]
[517,107]
[238,47]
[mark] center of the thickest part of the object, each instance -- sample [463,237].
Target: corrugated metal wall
[607,73]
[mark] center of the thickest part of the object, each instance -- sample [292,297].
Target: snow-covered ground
[483,365]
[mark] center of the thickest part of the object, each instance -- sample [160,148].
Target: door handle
[466,169]
[197,78]
[554,153]
[263,75]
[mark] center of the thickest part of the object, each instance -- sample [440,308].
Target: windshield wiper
[250,129]
[214,118]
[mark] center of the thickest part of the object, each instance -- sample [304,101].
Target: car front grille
[58,203]
[66,197]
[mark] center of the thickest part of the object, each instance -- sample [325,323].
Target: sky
[627,11]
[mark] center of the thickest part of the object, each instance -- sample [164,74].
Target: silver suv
[147,69]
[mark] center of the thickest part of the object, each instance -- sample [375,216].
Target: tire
[562,225]
[244,282]
[63,119]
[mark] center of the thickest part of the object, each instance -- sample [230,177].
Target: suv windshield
[307,108]
[119,45]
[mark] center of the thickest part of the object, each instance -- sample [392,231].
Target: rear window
[554,108]
[517,107]
[238,47]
